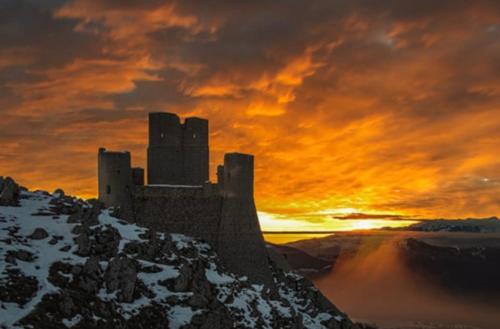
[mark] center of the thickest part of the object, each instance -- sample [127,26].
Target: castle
[179,197]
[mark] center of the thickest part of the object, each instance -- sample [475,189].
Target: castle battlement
[177,159]
[179,197]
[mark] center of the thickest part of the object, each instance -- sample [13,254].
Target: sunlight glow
[363,225]
[283,223]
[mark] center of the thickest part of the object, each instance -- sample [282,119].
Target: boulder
[86,215]
[198,301]
[213,319]
[9,192]
[38,234]
[58,193]
[22,255]
[66,305]
[83,242]
[97,241]
[90,277]
[182,282]
[106,241]
[121,275]
[19,289]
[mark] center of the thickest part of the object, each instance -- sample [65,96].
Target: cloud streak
[362,216]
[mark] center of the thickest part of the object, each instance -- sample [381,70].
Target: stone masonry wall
[229,225]
[190,211]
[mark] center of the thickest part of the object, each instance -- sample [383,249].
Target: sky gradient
[375,107]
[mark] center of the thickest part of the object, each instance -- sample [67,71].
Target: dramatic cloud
[374,106]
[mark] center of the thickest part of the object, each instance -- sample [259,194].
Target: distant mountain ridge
[473,225]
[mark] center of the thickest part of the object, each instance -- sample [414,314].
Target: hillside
[461,270]
[301,262]
[67,263]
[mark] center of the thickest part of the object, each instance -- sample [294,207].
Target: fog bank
[375,286]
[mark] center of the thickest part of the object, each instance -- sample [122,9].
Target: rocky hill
[462,270]
[68,263]
[301,262]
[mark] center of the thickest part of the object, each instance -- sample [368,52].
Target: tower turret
[196,153]
[240,243]
[238,175]
[178,153]
[114,177]
[165,159]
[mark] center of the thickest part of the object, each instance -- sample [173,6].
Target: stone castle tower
[179,197]
[178,153]
[116,178]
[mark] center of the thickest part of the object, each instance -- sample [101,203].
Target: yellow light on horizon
[364,224]
[282,223]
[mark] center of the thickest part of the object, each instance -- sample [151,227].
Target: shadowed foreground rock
[9,192]
[66,263]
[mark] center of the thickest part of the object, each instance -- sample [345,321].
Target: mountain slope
[65,263]
[462,270]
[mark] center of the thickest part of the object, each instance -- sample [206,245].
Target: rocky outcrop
[9,192]
[99,241]
[88,269]
[21,288]
[121,276]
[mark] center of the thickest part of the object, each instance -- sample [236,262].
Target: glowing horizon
[280,224]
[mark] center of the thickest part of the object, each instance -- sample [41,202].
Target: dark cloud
[30,28]
[369,105]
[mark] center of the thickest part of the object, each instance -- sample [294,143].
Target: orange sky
[349,106]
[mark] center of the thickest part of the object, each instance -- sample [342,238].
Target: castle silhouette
[179,197]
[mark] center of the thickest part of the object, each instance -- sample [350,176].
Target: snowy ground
[249,306]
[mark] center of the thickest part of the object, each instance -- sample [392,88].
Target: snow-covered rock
[67,263]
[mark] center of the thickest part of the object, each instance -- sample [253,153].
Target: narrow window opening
[108,189]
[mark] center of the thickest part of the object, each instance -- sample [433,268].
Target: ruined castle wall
[165,158]
[195,151]
[114,177]
[227,221]
[138,176]
[220,178]
[193,211]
